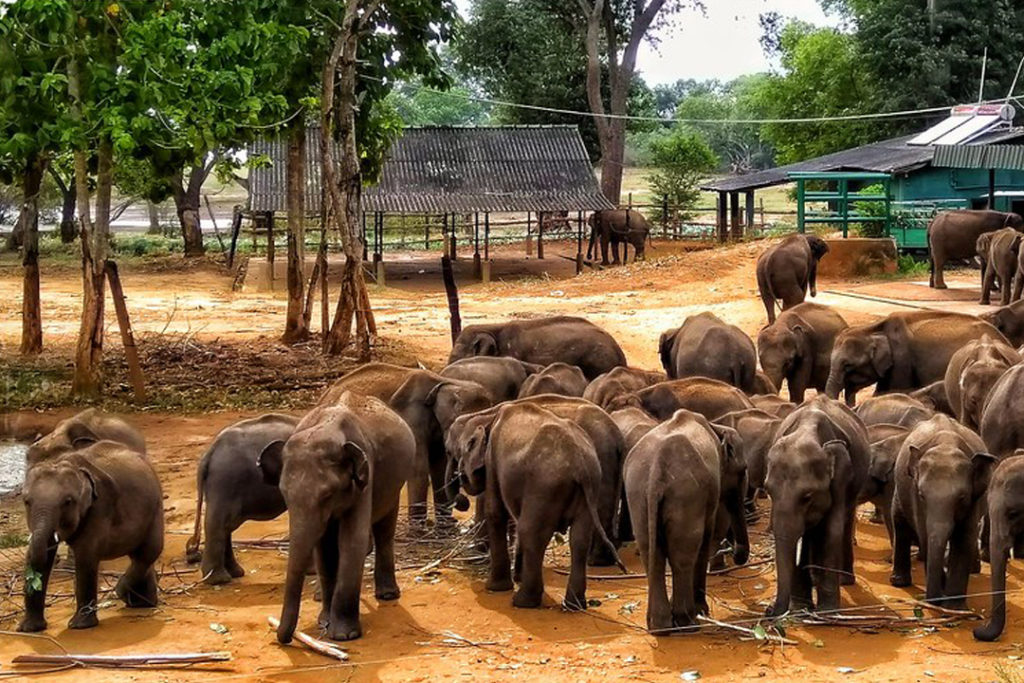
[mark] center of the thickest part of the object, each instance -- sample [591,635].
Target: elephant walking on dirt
[787,270]
[1006,520]
[707,346]
[615,226]
[998,252]
[954,235]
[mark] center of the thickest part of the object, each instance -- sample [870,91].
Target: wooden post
[270,248]
[761,204]
[236,228]
[453,296]
[365,246]
[723,217]
[664,216]
[579,242]
[452,236]
[477,272]
[540,237]
[992,189]
[131,353]
[426,232]
[529,233]
[734,215]
[487,236]
[750,212]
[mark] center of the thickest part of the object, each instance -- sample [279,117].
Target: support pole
[723,217]
[992,189]
[454,237]
[579,242]
[487,236]
[477,271]
[750,212]
[450,288]
[270,248]
[365,246]
[529,234]
[236,228]
[540,236]
[426,232]
[734,215]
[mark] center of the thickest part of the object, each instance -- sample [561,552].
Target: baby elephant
[942,472]
[543,472]
[105,502]
[558,378]
[232,483]
[1006,516]
[677,481]
[83,430]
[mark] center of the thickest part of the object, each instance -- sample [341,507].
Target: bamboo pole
[315,644]
[116,661]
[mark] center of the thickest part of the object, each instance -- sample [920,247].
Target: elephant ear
[353,460]
[271,461]
[982,466]
[474,451]
[819,247]
[485,345]
[665,350]
[837,456]
[882,361]
[80,436]
[914,456]
[431,398]
[732,447]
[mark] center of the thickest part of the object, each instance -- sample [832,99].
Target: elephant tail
[589,486]
[192,554]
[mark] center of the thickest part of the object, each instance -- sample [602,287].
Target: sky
[721,43]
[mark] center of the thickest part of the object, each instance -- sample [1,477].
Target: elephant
[954,235]
[81,430]
[618,382]
[557,378]
[633,424]
[543,341]
[972,372]
[682,479]
[706,346]
[1009,320]
[616,226]
[787,270]
[1005,507]
[757,428]
[894,409]
[503,377]
[816,469]
[341,473]
[886,441]
[604,435]
[774,404]
[542,472]
[933,396]
[228,478]
[1000,259]
[903,351]
[941,473]
[1002,418]
[709,397]
[105,502]
[428,403]
[763,384]
[797,347]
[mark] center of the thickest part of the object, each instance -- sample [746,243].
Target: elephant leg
[581,535]
[1007,285]
[802,594]
[721,529]
[986,288]
[1018,284]
[684,552]
[230,561]
[700,573]
[86,577]
[419,484]
[215,550]
[847,577]
[353,533]
[902,538]
[534,531]
[832,550]
[35,600]
[985,531]
[999,552]
[962,546]
[443,520]
[384,580]
[938,266]
[659,615]
[769,305]
[137,586]
[615,253]
[500,573]
[604,246]
[326,560]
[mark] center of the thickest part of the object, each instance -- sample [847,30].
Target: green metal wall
[956,183]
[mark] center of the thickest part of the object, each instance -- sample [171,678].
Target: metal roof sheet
[980,156]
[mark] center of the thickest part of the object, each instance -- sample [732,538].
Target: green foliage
[33,581]
[683,159]
[870,208]
[13,539]
[417,105]
[908,265]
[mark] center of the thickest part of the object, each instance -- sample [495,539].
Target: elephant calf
[972,372]
[561,379]
[680,478]
[235,491]
[797,347]
[83,430]
[341,473]
[105,502]
[607,388]
[893,409]
[941,473]
[785,271]
[1009,320]
[503,377]
[886,441]
[541,471]
[706,346]
[998,251]
[1006,532]
[709,397]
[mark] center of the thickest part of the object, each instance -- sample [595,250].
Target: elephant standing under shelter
[787,270]
[954,235]
[615,226]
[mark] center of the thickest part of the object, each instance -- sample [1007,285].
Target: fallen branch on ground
[124,661]
[315,644]
[603,577]
[759,635]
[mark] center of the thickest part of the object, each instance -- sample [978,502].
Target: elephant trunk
[938,539]
[43,543]
[451,487]
[300,554]
[993,628]
[785,566]
[835,382]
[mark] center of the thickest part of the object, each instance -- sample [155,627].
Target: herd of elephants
[547,427]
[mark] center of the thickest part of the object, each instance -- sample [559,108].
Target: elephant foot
[323,619]
[976,566]
[940,285]
[218,576]
[604,262]
[900,580]
[684,623]
[236,571]
[527,599]
[345,628]
[601,557]
[958,603]
[32,624]
[775,611]
[193,556]
[499,585]
[987,632]
[847,579]
[740,554]
[574,602]
[983,554]
[659,625]
[717,562]
[84,620]
[387,592]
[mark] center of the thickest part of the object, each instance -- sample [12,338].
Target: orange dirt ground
[445,626]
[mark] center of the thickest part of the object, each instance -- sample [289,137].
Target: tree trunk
[613,154]
[31,316]
[68,225]
[186,203]
[295,327]
[154,218]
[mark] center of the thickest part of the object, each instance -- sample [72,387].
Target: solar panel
[969,130]
[965,123]
[937,131]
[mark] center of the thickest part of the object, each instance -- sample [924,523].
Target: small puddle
[12,466]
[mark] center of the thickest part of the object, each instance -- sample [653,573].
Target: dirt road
[445,626]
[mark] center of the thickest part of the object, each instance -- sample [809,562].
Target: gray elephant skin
[543,341]
[797,347]
[972,372]
[232,485]
[1005,498]
[709,397]
[901,352]
[676,481]
[758,429]
[894,409]
[557,378]
[998,251]
[1009,320]
[81,431]
[788,270]
[954,235]
[706,346]
[886,441]
[503,377]
[816,469]
[633,424]
[341,473]
[542,472]
[933,396]
[618,226]
[1002,418]
[105,502]
[941,473]
[606,389]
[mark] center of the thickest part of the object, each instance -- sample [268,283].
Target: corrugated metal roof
[458,169]
[888,156]
[267,184]
[980,156]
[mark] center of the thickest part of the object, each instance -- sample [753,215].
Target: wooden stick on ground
[125,660]
[315,644]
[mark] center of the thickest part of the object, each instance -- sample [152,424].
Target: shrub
[683,158]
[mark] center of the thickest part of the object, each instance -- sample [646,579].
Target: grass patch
[906,264]
[13,539]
